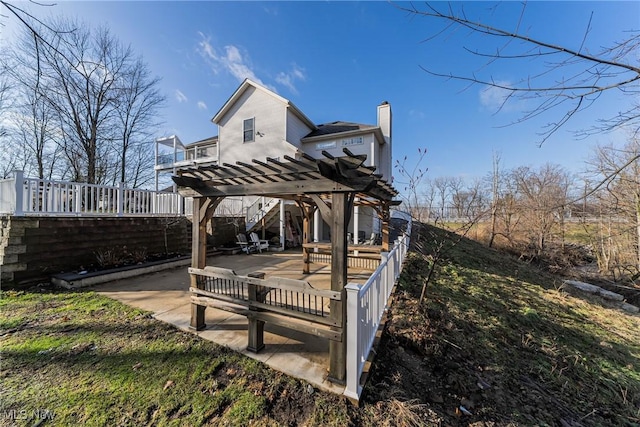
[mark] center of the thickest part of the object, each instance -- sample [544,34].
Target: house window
[248,128]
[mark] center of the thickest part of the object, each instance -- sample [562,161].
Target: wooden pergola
[332,185]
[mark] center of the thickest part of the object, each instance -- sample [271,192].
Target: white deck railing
[366,305]
[31,196]
[258,209]
[21,196]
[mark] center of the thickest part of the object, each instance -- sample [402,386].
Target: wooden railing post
[256,327]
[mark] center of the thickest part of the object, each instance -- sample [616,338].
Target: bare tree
[140,161]
[457,190]
[36,128]
[542,197]
[442,187]
[5,87]
[563,80]
[428,197]
[29,120]
[12,158]
[91,95]
[137,105]
[495,196]
[411,181]
[83,92]
[617,236]
[468,198]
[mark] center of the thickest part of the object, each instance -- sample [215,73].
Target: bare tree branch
[580,75]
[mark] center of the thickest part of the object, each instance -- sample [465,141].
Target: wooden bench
[289,303]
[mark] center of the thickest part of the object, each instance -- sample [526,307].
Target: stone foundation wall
[33,248]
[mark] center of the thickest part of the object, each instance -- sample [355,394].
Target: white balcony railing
[366,305]
[31,196]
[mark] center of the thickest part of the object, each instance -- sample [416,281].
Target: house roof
[340,128]
[249,83]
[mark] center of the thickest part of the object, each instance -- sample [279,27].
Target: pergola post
[307,211]
[340,213]
[386,215]
[203,208]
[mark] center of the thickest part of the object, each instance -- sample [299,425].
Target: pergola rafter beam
[294,177]
[312,167]
[255,169]
[266,165]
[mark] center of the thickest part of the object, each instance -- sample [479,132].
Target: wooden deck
[287,264]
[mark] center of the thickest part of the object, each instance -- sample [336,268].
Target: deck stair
[259,212]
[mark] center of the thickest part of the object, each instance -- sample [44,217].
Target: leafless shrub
[109,257]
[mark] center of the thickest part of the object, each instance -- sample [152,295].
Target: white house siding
[296,129]
[366,222]
[270,116]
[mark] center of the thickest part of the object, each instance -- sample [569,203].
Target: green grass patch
[89,360]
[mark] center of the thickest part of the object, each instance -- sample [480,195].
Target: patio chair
[371,240]
[246,246]
[260,244]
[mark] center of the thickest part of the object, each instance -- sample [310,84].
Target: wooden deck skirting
[289,303]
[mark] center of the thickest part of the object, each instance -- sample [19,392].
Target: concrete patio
[166,295]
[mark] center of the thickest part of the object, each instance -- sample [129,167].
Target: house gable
[277,125]
[269,127]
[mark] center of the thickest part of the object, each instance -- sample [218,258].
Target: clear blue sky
[339,60]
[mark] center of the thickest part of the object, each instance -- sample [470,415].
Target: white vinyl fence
[31,196]
[366,305]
